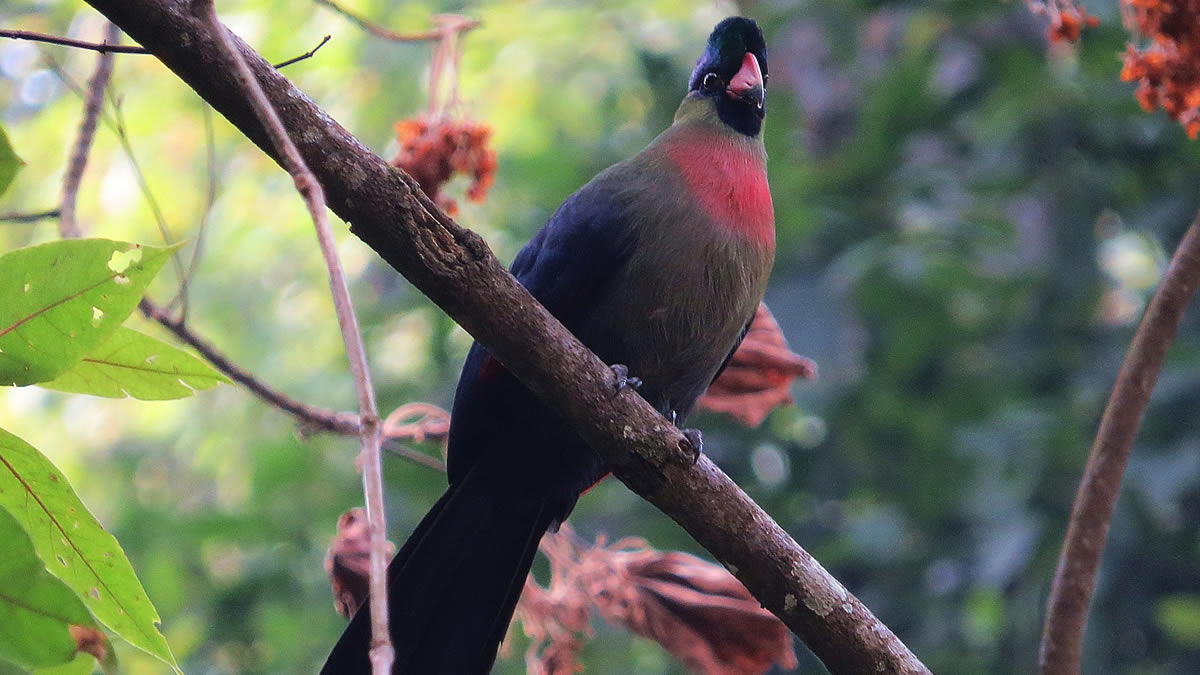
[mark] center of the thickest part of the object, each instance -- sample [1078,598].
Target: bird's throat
[728,180]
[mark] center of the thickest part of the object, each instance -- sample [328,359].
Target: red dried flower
[1067,19]
[759,377]
[348,562]
[696,610]
[432,151]
[1167,70]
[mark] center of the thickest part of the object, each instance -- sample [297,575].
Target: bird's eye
[712,82]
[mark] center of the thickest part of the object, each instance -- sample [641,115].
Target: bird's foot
[693,440]
[623,379]
[693,444]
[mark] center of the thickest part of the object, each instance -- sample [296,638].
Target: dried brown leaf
[348,562]
[760,374]
[696,610]
[90,640]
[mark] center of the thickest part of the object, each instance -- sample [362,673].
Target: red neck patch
[729,182]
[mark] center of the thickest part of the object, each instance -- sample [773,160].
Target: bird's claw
[693,443]
[623,379]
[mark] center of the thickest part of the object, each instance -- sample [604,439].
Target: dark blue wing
[567,266]
[572,258]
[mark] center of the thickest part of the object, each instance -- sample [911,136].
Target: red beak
[747,85]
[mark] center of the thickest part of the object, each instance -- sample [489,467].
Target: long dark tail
[453,586]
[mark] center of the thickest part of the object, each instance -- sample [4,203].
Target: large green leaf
[9,162]
[76,548]
[64,298]
[129,363]
[84,664]
[36,609]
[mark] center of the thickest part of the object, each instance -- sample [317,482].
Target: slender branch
[16,217]
[103,48]
[456,270]
[93,104]
[210,198]
[381,32]
[1061,650]
[107,47]
[312,417]
[382,653]
[306,55]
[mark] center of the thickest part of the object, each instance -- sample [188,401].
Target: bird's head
[732,74]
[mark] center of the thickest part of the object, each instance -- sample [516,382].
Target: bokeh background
[969,219]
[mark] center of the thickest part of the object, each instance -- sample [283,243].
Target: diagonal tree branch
[456,270]
[1061,650]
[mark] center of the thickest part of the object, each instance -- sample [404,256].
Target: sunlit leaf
[130,363]
[9,162]
[64,298]
[1179,617]
[37,610]
[75,547]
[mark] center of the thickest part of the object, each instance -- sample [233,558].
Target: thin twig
[381,32]
[104,48]
[382,653]
[1075,578]
[17,217]
[107,47]
[306,55]
[320,419]
[414,456]
[160,218]
[93,103]
[210,198]
[311,418]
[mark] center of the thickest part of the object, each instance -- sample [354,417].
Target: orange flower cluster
[1168,70]
[1067,19]
[432,151]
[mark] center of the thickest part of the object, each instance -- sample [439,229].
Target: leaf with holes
[38,612]
[62,299]
[75,547]
[9,162]
[130,363]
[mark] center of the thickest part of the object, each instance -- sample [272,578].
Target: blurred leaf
[1179,617]
[37,610]
[130,363]
[9,162]
[77,549]
[84,664]
[64,298]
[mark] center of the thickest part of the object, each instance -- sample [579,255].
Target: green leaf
[76,548]
[129,363]
[62,299]
[1179,617]
[9,162]
[84,664]
[36,609]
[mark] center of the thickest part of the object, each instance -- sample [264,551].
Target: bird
[657,265]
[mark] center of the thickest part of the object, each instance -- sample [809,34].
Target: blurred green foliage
[969,225]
